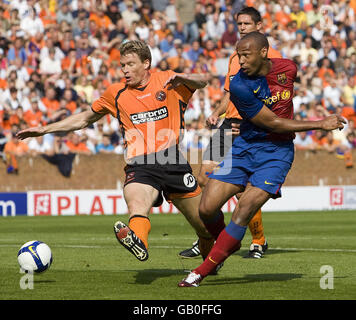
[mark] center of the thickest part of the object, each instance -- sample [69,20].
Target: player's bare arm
[269,120]
[221,109]
[213,119]
[72,123]
[193,81]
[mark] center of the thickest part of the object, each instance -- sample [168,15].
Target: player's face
[251,59]
[245,25]
[135,70]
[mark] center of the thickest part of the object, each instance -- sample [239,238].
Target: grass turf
[90,264]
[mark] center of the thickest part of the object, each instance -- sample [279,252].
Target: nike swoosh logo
[212,260]
[255,91]
[33,252]
[266,182]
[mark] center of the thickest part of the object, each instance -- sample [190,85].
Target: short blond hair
[138,47]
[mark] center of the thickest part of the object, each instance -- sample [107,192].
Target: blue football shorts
[265,164]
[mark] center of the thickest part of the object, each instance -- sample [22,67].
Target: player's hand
[173,82]
[212,120]
[30,132]
[235,130]
[333,122]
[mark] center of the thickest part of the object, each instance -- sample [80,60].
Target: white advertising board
[99,202]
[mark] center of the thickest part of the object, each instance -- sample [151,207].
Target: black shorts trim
[167,179]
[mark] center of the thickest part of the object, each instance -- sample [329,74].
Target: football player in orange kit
[150,109]
[248,20]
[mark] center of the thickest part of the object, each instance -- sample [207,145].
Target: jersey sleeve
[233,69]
[273,53]
[227,78]
[227,81]
[106,103]
[247,104]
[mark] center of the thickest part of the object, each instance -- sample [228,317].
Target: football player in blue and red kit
[261,156]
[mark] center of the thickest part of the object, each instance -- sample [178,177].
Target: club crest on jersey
[160,95]
[282,78]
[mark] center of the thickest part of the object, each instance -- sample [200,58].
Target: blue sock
[236,231]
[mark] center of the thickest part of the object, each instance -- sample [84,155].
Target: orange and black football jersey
[234,68]
[151,117]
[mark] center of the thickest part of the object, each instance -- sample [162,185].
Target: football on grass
[34,256]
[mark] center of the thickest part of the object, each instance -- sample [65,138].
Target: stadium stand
[58,56]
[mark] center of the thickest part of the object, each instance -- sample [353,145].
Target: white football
[35,256]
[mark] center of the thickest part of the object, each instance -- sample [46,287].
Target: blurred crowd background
[58,56]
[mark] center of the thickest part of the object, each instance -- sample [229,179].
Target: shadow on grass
[149,275]
[251,278]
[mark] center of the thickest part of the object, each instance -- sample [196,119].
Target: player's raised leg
[134,237]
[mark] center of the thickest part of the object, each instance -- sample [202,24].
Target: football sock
[141,225]
[226,244]
[215,225]
[256,228]
[205,245]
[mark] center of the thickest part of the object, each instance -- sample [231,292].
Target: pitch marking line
[181,247]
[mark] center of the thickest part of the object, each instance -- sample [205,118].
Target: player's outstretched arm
[193,81]
[269,120]
[73,122]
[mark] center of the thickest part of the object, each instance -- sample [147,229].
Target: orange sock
[256,228]
[141,226]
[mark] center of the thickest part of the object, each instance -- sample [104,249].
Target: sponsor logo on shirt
[284,95]
[149,116]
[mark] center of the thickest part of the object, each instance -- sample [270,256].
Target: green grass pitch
[90,264]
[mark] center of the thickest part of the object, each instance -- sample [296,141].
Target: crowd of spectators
[58,56]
